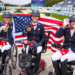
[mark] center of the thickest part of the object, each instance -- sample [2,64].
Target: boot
[38,58]
[3,62]
[64,67]
[56,67]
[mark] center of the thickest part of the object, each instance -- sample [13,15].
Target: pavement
[45,56]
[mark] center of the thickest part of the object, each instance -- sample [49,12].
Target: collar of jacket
[2,23]
[37,22]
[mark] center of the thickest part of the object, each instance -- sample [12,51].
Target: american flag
[19,21]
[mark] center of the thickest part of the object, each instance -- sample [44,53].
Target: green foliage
[47,9]
[58,10]
[27,5]
[5,8]
[60,17]
[18,11]
[52,2]
[1,19]
[47,14]
[0,9]
[7,4]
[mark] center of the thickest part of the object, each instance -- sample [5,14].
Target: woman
[67,53]
[5,32]
[35,32]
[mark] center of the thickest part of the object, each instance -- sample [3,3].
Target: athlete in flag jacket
[68,30]
[5,32]
[35,32]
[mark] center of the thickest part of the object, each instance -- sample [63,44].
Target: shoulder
[67,29]
[11,24]
[40,24]
[2,23]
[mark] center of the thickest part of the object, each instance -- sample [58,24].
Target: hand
[3,28]
[56,45]
[66,22]
[26,28]
[37,44]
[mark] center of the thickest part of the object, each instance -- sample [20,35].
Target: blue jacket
[38,35]
[8,33]
[69,41]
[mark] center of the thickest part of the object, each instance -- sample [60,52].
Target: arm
[25,30]
[60,32]
[43,36]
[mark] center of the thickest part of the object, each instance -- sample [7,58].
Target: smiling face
[35,18]
[72,23]
[6,19]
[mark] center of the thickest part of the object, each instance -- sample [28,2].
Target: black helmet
[72,18]
[7,14]
[35,13]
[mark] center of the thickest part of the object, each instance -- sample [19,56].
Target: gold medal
[28,29]
[5,30]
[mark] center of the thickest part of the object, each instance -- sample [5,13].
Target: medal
[5,30]
[29,29]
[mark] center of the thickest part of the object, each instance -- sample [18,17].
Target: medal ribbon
[32,25]
[7,25]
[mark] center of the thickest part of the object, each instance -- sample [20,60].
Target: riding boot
[56,67]
[38,58]
[3,62]
[64,67]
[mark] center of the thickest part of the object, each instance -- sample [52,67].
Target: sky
[17,1]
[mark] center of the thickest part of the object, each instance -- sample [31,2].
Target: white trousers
[39,49]
[6,47]
[70,56]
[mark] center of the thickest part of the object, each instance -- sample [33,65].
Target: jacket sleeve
[43,36]
[24,30]
[60,32]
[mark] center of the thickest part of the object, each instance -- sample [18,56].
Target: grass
[8,9]
[42,13]
[1,19]
[60,17]
[18,11]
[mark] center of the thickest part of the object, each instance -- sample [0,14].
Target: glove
[2,28]
[37,44]
[56,45]
[26,28]
[66,22]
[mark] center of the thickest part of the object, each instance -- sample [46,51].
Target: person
[5,32]
[35,32]
[67,52]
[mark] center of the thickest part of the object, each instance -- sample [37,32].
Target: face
[35,18]
[6,19]
[72,23]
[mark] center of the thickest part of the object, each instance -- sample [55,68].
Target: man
[5,32]
[67,52]
[35,32]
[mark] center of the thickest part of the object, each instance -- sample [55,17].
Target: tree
[0,9]
[52,2]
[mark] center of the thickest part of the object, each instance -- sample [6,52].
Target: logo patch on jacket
[38,29]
